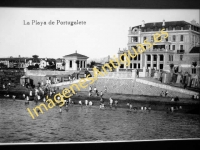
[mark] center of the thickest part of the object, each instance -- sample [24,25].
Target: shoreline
[155,102]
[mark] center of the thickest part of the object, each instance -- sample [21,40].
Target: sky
[105,31]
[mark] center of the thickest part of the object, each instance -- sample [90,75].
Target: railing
[180,51]
[123,70]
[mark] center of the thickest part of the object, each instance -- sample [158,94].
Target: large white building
[176,49]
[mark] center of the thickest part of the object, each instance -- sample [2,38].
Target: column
[158,61]
[141,61]
[145,61]
[80,63]
[151,61]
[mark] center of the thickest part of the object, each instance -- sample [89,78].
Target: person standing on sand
[101,94]
[95,90]
[111,102]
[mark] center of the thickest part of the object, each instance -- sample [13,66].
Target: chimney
[143,23]
[76,51]
[19,55]
[163,24]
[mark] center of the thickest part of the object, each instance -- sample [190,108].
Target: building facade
[175,49]
[75,61]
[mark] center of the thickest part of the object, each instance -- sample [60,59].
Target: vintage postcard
[76,75]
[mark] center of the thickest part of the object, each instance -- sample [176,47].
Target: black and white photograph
[92,75]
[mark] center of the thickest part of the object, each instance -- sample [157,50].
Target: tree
[35,56]
[92,63]
[63,63]
[2,65]
[36,66]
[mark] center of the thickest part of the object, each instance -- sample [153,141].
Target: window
[170,27]
[186,27]
[173,47]
[148,57]
[70,64]
[138,65]
[181,38]
[152,39]
[178,28]
[161,66]
[169,47]
[181,47]
[154,65]
[194,71]
[144,38]
[181,57]
[174,38]
[148,65]
[170,57]
[131,65]
[122,66]
[139,56]
[135,58]
[134,65]
[130,58]
[166,39]
[159,38]
[134,39]
[154,57]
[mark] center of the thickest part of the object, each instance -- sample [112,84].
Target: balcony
[180,51]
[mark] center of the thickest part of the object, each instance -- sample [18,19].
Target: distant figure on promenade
[130,106]
[60,109]
[101,94]
[30,93]
[111,102]
[27,100]
[23,96]
[161,74]
[105,89]
[176,99]
[90,89]
[4,86]
[86,102]
[13,97]
[137,72]
[9,84]
[95,90]
[166,93]
[90,94]
[36,99]
[90,103]
[80,102]
[101,103]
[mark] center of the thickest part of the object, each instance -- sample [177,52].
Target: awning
[195,50]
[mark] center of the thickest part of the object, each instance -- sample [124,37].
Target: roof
[195,50]
[76,55]
[167,24]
